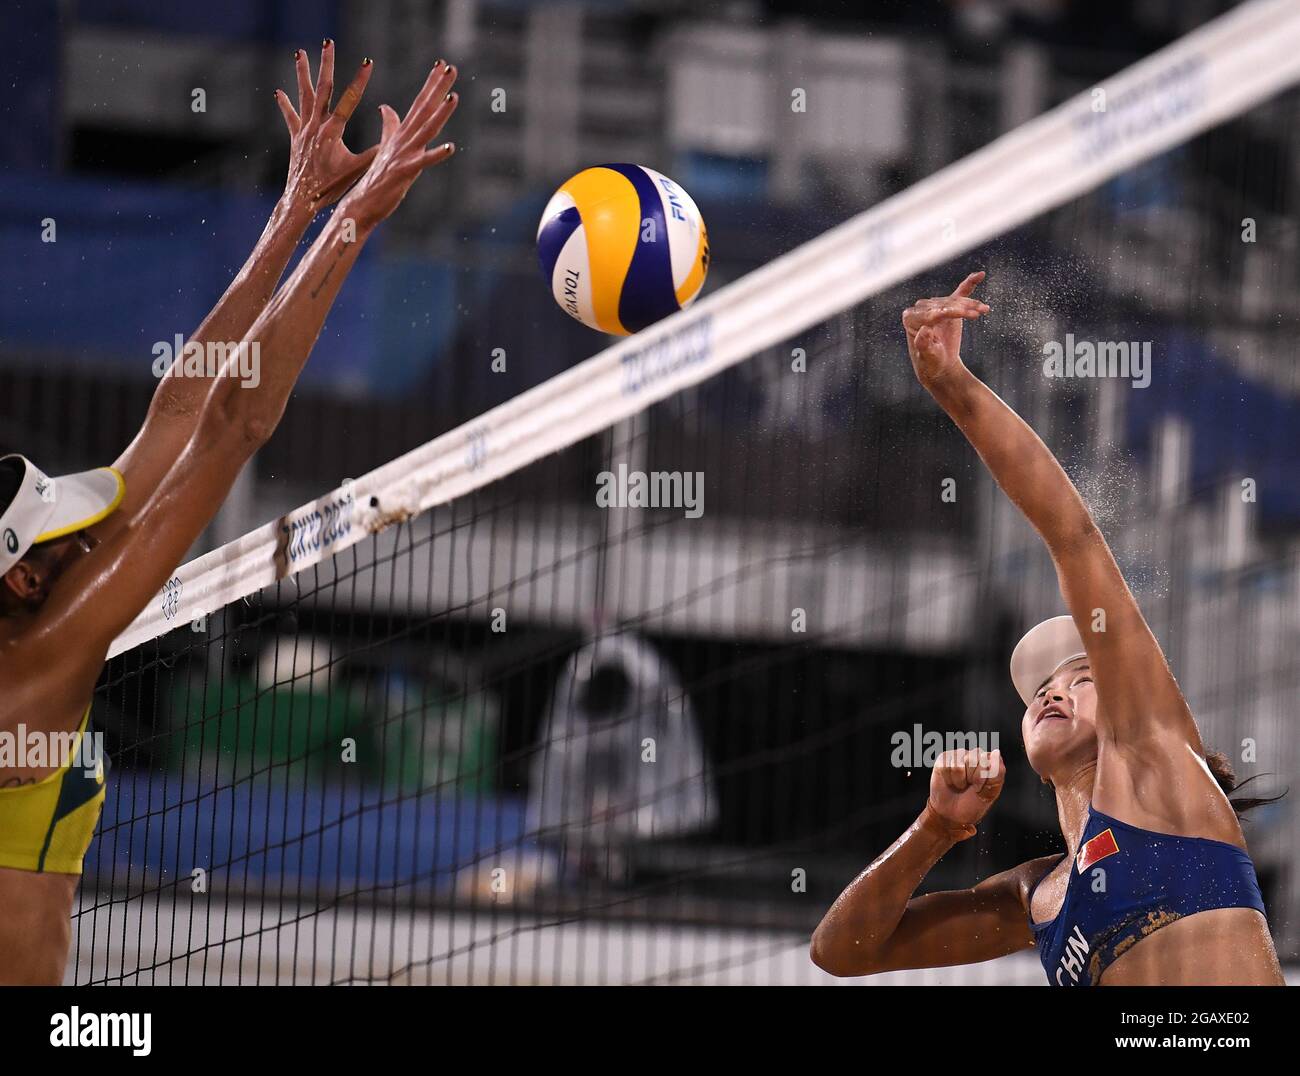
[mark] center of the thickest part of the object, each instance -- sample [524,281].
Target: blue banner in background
[133,264]
[264,831]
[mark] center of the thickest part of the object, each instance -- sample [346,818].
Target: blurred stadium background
[498,661]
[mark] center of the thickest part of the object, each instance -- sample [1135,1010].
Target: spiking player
[81,555]
[1156,887]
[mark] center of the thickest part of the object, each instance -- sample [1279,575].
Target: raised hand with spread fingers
[321,167]
[403,152]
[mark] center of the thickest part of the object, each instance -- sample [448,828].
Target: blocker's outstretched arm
[1141,701]
[103,591]
[321,169]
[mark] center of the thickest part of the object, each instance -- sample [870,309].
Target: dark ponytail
[1223,772]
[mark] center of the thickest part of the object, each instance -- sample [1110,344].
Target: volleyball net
[624,679]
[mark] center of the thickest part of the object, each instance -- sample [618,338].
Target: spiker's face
[1060,724]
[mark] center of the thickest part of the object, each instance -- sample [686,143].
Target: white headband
[1043,650]
[45,508]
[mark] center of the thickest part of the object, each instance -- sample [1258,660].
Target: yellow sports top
[48,825]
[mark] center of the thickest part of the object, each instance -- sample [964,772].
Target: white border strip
[1212,74]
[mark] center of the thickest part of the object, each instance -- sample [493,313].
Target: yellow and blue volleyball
[622,246]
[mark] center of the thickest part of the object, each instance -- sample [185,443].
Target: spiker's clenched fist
[965,784]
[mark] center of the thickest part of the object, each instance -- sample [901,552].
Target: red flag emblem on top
[1099,847]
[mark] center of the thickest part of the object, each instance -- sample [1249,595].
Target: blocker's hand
[321,167]
[965,784]
[933,328]
[402,155]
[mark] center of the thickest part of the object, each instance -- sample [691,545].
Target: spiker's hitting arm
[1141,701]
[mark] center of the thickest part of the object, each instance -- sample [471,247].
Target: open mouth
[1050,712]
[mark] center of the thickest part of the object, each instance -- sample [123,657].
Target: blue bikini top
[1129,882]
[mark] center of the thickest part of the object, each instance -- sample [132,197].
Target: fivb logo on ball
[622,246]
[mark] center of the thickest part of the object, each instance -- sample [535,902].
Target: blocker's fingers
[431,98]
[437,155]
[388,123]
[969,284]
[426,91]
[286,110]
[352,95]
[306,95]
[438,118]
[325,81]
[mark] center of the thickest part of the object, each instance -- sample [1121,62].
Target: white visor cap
[45,508]
[1043,650]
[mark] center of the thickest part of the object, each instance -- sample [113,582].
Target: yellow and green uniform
[48,825]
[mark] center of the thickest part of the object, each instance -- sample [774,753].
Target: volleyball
[621,247]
